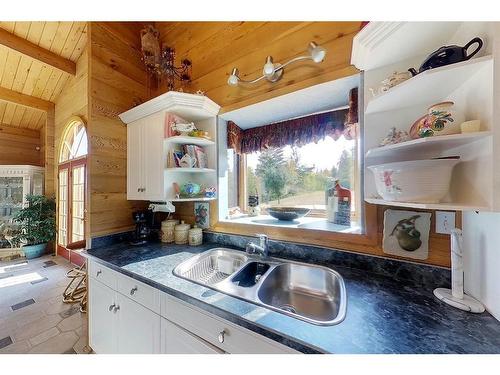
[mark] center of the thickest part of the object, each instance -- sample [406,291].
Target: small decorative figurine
[395,136]
[209,192]
[253,205]
[183,129]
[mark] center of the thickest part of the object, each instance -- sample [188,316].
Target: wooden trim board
[36,52]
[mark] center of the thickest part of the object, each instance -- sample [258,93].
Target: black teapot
[448,55]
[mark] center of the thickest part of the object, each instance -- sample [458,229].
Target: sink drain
[288,308]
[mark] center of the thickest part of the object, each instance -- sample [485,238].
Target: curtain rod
[310,114]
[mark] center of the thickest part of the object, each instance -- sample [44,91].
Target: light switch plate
[445,221]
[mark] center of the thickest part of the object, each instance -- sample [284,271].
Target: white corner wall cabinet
[382,48]
[149,175]
[127,316]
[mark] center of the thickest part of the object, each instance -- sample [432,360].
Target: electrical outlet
[445,221]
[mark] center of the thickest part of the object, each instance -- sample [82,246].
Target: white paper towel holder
[455,296]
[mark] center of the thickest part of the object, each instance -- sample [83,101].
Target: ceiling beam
[36,52]
[25,100]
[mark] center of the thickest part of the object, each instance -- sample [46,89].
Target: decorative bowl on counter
[287,213]
[419,181]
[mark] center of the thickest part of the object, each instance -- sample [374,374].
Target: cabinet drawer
[103,274]
[139,292]
[225,335]
[177,340]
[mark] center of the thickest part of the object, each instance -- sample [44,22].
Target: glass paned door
[78,204]
[63,207]
[71,219]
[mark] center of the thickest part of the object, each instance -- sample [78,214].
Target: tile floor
[33,318]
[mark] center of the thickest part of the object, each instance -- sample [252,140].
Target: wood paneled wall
[216,47]
[118,82]
[20,146]
[73,101]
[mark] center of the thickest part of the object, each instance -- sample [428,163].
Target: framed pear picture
[406,233]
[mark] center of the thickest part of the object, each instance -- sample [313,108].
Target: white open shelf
[186,140]
[430,86]
[469,84]
[450,206]
[190,170]
[435,144]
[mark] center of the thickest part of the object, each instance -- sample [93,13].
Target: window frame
[358,242]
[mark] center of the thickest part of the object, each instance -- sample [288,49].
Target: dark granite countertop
[384,315]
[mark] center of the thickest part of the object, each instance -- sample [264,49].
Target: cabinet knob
[222,335]
[138,189]
[117,307]
[133,290]
[98,273]
[111,307]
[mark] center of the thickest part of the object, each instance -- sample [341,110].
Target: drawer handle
[117,307]
[111,307]
[98,273]
[222,335]
[133,290]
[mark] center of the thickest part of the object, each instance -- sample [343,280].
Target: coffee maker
[142,229]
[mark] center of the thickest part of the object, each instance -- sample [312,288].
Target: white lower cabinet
[101,320]
[138,328]
[139,319]
[120,325]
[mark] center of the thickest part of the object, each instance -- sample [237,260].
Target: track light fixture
[274,71]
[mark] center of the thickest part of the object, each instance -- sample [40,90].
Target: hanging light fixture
[160,62]
[273,72]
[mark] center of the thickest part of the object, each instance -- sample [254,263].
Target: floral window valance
[299,131]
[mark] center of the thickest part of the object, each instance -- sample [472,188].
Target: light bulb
[233,78]
[317,52]
[268,70]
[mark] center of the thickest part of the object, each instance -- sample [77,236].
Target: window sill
[314,223]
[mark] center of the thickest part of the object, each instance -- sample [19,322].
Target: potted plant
[37,225]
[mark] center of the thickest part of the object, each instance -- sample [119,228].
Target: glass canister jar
[195,236]
[167,230]
[181,233]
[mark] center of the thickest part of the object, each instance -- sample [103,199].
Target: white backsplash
[481,235]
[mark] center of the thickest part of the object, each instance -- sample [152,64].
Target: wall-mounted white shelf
[435,144]
[190,170]
[445,206]
[383,43]
[188,106]
[149,152]
[191,199]
[186,140]
[382,48]
[427,87]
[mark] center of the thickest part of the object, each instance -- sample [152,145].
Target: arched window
[72,187]
[74,144]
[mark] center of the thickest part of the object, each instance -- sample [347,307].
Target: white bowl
[419,181]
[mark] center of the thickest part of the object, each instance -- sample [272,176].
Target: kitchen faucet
[262,249]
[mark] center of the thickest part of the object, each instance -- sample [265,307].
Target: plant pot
[34,251]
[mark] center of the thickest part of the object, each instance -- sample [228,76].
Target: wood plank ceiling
[23,74]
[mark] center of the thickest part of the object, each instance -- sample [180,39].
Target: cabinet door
[154,157]
[176,340]
[137,328]
[135,161]
[101,319]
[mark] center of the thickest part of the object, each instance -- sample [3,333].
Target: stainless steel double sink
[311,293]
